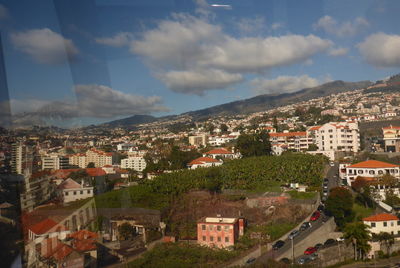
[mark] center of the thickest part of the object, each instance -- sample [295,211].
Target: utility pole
[292,250]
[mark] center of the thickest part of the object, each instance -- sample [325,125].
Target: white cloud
[44,45]
[95,101]
[254,25]
[340,51]
[3,12]
[347,28]
[198,81]
[277,25]
[118,40]
[186,43]
[203,9]
[381,50]
[283,84]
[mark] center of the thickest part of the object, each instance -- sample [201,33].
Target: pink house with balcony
[219,232]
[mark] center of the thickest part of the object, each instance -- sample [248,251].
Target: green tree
[126,231]
[340,205]
[386,240]
[254,144]
[312,147]
[358,235]
[90,165]
[224,128]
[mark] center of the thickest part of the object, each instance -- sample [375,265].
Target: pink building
[219,232]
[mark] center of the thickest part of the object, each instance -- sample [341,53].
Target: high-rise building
[338,136]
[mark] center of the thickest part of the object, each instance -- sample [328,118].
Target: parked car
[285,260]
[293,234]
[318,246]
[310,251]
[305,226]
[251,260]
[314,256]
[315,216]
[304,260]
[321,208]
[278,244]
[329,242]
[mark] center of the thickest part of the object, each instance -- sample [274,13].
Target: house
[204,162]
[383,223]
[219,232]
[70,191]
[372,169]
[391,136]
[220,153]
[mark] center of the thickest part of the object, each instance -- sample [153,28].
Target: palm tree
[358,234]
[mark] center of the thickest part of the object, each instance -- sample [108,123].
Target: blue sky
[73,63]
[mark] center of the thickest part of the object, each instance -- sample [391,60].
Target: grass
[274,230]
[361,211]
[301,195]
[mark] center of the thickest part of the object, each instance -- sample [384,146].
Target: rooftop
[219,220]
[381,217]
[373,164]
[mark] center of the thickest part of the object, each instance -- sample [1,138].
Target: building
[137,163]
[298,141]
[391,137]
[220,153]
[383,223]
[204,162]
[338,136]
[97,157]
[124,146]
[55,162]
[371,169]
[70,191]
[198,140]
[21,159]
[219,232]
[36,190]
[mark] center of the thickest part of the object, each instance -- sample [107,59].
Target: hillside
[130,121]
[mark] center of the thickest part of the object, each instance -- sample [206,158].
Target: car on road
[310,251]
[293,234]
[315,216]
[305,226]
[285,260]
[331,163]
[318,246]
[304,260]
[321,208]
[314,256]
[250,261]
[278,244]
[323,199]
[330,242]
[325,183]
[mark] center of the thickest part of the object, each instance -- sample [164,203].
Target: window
[203,227]
[210,227]
[226,228]
[219,239]
[66,193]
[74,192]
[398,222]
[360,171]
[211,238]
[204,238]
[81,192]
[372,172]
[227,239]
[391,223]
[88,191]
[373,224]
[384,224]
[218,228]
[380,172]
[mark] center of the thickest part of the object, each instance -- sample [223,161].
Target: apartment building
[219,232]
[371,169]
[338,136]
[21,158]
[137,163]
[55,162]
[37,189]
[298,141]
[198,140]
[98,157]
[391,137]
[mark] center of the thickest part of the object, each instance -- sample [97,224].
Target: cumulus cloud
[187,43]
[340,51]
[95,101]
[3,12]
[118,40]
[381,50]
[44,45]
[347,28]
[198,81]
[283,84]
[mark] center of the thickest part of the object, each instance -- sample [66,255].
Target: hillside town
[62,176]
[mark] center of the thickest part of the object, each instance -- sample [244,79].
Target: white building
[137,163]
[204,162]
[198,140]
[391,136]
[383,223]
[299,141]
[371,169]
[70,191]
[221,153]
[338,136]
[124,146]
[98,157]
[55,162]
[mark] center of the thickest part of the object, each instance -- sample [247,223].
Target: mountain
[255,104]
[130,121]
[268,101]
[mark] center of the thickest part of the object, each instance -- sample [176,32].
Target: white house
[137,163]
[221,153]
[383,223]
[371,169]
[204,162]
[70,191]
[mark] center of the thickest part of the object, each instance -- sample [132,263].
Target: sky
[79,62]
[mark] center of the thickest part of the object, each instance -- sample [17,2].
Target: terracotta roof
[391,127]
[315,128]
[372,164]
[43,226]
[381,217]
[203,160]
[219,151]
[288,134]
[69,184]
[95,172]
[64,173]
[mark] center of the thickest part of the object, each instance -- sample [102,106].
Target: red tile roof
[288,134]
[315,128]
[93,172]
[381,217]
[43,226]
[372,164]
[219,151]
[203,160]
[391,127]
